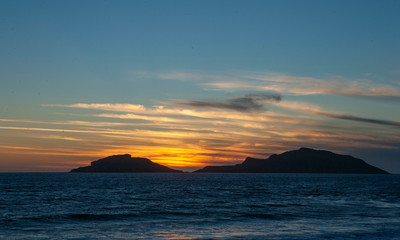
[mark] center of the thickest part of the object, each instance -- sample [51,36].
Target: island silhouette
[124,163]
[303,160]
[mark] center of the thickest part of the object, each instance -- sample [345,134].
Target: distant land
[124,163]
[303,160]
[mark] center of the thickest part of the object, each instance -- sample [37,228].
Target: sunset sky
[194,83]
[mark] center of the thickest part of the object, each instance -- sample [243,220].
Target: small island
[124,164]
[303,160]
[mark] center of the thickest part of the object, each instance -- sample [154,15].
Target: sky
[195,83]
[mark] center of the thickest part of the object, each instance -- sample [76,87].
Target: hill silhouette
[303,160]
[124,163]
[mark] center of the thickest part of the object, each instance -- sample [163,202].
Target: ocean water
[198,206]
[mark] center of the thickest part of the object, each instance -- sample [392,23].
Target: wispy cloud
[103,106]
[287,84]
[59,137]
[67,123]
[333,85]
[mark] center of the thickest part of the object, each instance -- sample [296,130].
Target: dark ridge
[304,160]
[124,163]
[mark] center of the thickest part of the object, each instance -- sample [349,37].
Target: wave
[89,216]
[72,216]
[92,216]
[269,216]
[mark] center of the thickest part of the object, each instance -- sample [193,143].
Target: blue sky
[335,65]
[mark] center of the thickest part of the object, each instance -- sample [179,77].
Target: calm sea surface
[198,206]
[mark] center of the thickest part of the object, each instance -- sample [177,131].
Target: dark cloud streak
[375,98]
[359,119]
[247,103]
[256,103]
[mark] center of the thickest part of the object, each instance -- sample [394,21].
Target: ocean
[198,206]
